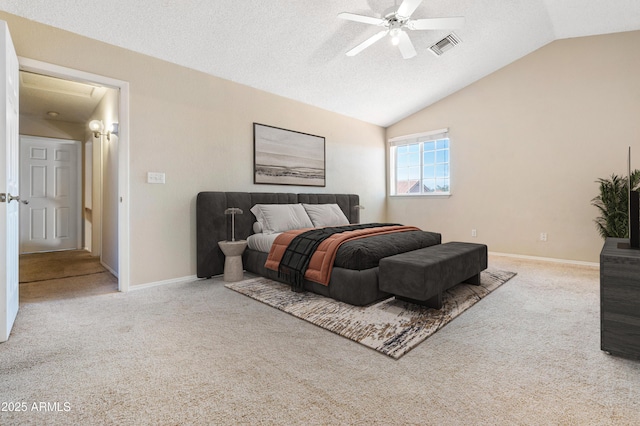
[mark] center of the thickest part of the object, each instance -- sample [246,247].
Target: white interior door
[50,181]
[9,207]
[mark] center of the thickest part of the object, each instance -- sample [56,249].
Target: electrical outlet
[474,233]
[543,236]
[155,177]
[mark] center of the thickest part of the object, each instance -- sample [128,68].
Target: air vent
[445,44]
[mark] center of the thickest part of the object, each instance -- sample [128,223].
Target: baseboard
[546,259]
[164,282]
[108,268]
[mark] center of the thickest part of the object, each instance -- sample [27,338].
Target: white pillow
[281,217]
[326,215]
[257,228]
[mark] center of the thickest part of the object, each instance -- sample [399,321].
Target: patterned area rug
[392,327]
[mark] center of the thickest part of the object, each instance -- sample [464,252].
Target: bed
[353,279]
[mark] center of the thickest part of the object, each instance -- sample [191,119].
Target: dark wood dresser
[620,299]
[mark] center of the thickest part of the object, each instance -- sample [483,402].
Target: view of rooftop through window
[420,165]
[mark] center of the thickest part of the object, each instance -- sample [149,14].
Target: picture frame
[287,157]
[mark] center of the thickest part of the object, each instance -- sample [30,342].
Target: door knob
[3,198]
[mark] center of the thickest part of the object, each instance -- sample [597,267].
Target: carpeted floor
[199,353]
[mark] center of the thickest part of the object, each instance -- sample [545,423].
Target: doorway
[117,207]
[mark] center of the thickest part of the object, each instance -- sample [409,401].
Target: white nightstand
[233,259]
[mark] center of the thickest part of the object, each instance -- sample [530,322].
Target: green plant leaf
[613,205]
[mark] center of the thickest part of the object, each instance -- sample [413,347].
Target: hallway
[63,275]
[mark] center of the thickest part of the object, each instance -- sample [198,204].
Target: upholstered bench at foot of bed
[421,276]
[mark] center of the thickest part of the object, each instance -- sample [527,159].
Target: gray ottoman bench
[421,276]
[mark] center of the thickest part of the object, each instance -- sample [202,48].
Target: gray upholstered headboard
[212,225]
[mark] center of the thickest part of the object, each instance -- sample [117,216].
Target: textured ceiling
[296,49]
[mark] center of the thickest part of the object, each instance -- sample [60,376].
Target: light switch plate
[155,177]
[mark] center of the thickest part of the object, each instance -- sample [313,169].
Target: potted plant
[613,204]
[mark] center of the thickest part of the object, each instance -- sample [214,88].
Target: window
[420,164]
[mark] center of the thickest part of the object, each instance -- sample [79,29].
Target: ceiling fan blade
[405,45]
[452,23]
[408,7]
[368,42]
[360,18]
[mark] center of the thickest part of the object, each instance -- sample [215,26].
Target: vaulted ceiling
[296,49]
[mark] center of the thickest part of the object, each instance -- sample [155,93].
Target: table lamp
[233,211]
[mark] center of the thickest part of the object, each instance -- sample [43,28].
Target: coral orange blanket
[322,260]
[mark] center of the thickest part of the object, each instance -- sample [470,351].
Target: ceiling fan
[396,23]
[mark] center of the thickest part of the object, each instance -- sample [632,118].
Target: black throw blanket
[297,255]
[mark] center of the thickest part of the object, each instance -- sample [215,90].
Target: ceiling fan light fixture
[396,22]
[395,36]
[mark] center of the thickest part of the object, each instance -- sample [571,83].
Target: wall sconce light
[233,211]
[97,127]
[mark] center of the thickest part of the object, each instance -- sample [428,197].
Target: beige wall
[528,142]
[198,130]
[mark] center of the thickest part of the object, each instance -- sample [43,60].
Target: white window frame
[420,138]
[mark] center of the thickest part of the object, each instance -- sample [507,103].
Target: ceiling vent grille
[447,43]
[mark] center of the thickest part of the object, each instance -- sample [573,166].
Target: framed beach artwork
[286,157]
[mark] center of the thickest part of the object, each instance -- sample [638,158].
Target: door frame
[77,146]
[124,243]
